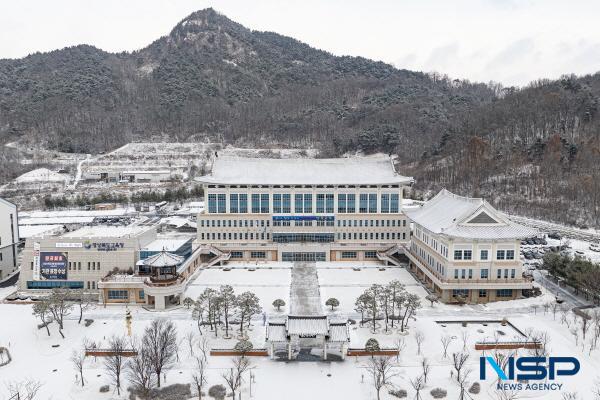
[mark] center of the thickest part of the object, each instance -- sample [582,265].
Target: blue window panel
[298,203]
[372,202]
[54,284]
[394,203]
[320,203]
[364,203]
[286,206]
[264,203]
[243,203]
[277,203]
[341,203]
[233,203]
[308,207]
[351,203]
[255,203]
[329,203]
[212,203]
[385,203]
[221,203]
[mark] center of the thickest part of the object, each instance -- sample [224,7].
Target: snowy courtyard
[46,358]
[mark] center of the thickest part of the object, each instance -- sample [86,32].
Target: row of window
[303,203]
[235,236]
[482,293]
[484,255]
[250,223]
[253,254]
[483,273]
[429,260]
[371,235]
[354,254]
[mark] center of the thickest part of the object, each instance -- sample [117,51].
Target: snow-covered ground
[34,355]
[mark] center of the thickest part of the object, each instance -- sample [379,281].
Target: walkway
[305,297]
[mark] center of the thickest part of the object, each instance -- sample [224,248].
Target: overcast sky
[510,41]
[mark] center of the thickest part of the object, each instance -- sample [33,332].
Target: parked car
[554,235]
[579,253]
[595,247]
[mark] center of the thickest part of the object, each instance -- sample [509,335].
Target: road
[564,293]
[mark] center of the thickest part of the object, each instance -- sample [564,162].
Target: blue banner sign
[53,265]
[303,218]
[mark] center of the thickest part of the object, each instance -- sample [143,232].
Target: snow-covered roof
[144,172]
[27,231]
[304,171]
[307,325]
[466,217]
[162,259]
[179,222]
[100,231]
[168,244]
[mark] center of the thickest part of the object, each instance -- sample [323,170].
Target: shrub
[278,303]
[372,345]
[104,389]
[438,393]
[217,392]
[475,388]
[243,346]
[172,392]
[332,302]
[399,393]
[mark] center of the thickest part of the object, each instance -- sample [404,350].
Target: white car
[595,247]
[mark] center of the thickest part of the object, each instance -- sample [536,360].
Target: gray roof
[457,216]
[304,171]
[163,259]
[300,325]
[308,325]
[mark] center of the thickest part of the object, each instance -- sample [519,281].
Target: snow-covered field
[34,355]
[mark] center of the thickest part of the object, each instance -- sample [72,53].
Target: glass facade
[303,237]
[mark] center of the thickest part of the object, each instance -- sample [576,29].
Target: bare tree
[198,311]
[465,339]
[235,375]
[60,306]
[160,339]
[140,370]
[199,376]
[446,340]
[459,360]
[41,309]
[190,338]
[411,304]
[83,301]
[462,382]
[115,361]
[23,390]
[204,346]
[419,338]
[426,366]
[418,384]
[381,371]
[78,359]
[400,344]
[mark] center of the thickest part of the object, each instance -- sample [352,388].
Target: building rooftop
[466,217]
[100,231]
[304,171]
[162,259]
[167,244]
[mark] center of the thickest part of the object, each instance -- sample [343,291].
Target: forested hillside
[535,149]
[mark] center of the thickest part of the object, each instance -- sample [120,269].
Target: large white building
[465,250]
[9,238]
[303,209]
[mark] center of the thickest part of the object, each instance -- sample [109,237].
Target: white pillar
[289,350]
[343,351]
[324,349]
[272,351]
[159,302]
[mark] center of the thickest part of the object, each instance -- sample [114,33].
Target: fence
[380,352]
[234,353]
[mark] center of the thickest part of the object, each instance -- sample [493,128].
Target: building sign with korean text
[53,265]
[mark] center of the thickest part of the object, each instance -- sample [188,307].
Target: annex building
[302,209]
[464,250]
[9,238]
[127,264]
